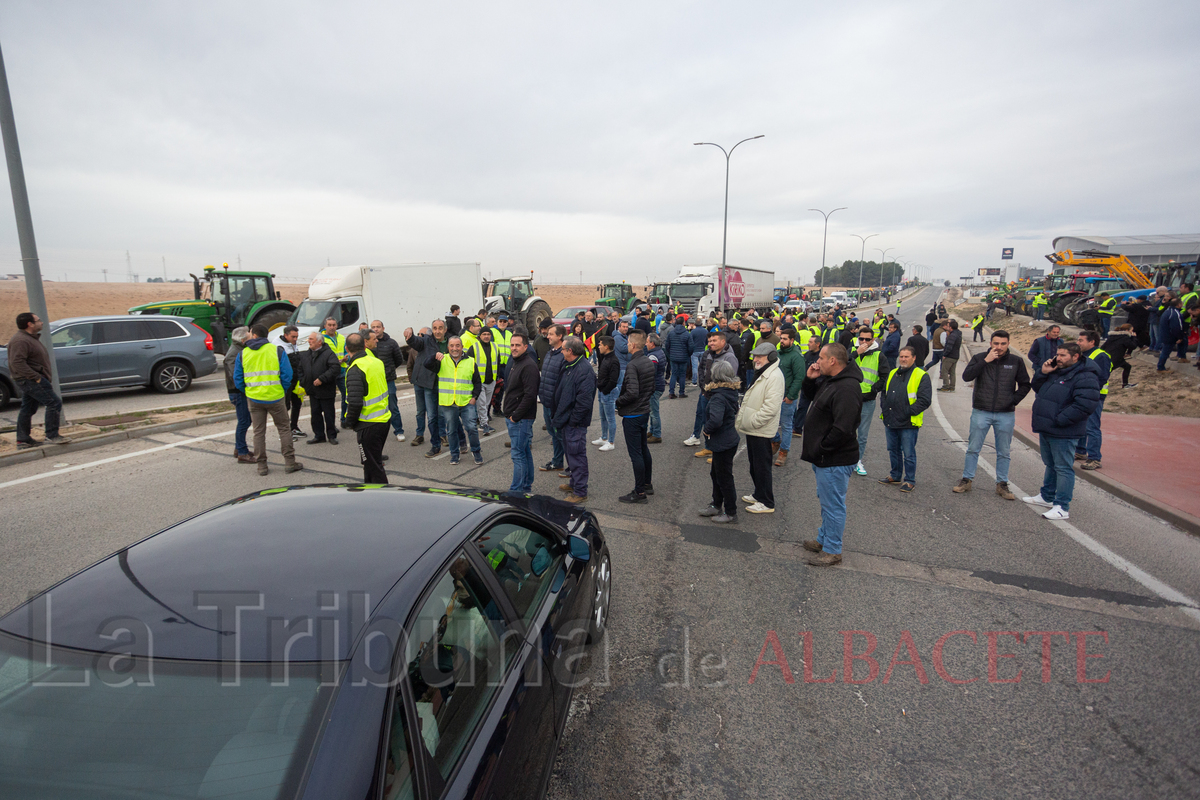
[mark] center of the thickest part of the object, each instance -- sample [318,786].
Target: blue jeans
[420,395]
[243,423]
[1154,335]
[678,375]
[832,483]
[802,404]
[655,416]
[1090,445]
[1002,424]
[455,416]
[787,417]
[1166,340]
[701,416]
[1105,322]
[696,368]
[521,436]
[559,458]
[1058,483]
[394,407]
[902,449]
[864,426]
[1039,312]
[431,409]
[608,415]
[41,394]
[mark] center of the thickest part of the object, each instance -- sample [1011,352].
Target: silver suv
[164,353]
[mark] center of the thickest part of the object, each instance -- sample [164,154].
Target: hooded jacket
[574,395]
[999,386]
[720,423]
[678,344]
[759,414]
[1065,400]
[660,367]
[634,399]
[831,427]
[285,369]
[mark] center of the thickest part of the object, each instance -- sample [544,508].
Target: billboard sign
[995,271]
[1006,254]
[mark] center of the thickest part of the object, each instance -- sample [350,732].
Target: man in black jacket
[1001,383]
[321,371]
[950,354]
[919,344]
[388,351]
[237,340]
[907,393]
[293,401]
[520,410]
[362,384]
[634,407]
[574,396]
[830,444]
[607,373]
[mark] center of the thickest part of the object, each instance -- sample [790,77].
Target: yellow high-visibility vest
[260,371]
[503,339]
[481,363]
[1092,355]
[1108,307]
[914,383]
[337,343]
[455,381]
[869,364]
[468,340]
[375,404]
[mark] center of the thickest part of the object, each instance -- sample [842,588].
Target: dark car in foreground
[164,353]
[315,642]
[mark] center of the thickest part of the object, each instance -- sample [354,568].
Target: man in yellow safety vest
[263,372]
[1108,306]
[458,388]
[906,394]
[367,411]
[337,343]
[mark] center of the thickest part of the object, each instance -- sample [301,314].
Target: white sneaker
[1036,500]
[749,499]
[691,441]
[399,437]
[604,448]
[859,469]
[759,508]
[1056,513]
[599,442]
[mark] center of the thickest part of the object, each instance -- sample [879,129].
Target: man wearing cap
[758,420]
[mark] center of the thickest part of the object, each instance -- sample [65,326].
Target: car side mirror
[579,548]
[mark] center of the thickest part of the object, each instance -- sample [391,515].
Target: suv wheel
[171,377]
[6,393]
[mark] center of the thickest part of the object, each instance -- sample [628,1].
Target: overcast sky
[558,136]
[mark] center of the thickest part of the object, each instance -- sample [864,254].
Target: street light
[725,226]
[823,238]
[860,256]
[882,258]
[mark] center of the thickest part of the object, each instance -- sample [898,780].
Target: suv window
[524,561]
[458,648]
[134,330]
[165,329]
[73,335]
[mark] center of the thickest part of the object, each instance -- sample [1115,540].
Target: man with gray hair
[574,395]
[236,396]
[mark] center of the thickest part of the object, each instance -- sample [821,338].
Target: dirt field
[1156,394]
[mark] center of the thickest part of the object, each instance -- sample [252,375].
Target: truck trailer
[699,289]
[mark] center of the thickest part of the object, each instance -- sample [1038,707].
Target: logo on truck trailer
[735,287]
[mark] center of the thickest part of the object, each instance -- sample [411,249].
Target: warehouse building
[1162,249]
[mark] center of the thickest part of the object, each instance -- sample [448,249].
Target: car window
[524,562]
[134,330]
[458,648]
[165,329]
[348,312]
[398,768]
[73,335]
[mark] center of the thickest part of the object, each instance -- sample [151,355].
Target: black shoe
[333,440]
[682,396]
[27,445]
[385,458]
[454,462]
[548,467]
[508,444]
[297,433]
[649,489]
[418,441]
[479,458]
[432,453]
[632,497]
[315,440]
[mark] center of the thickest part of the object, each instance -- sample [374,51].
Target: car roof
[291,546]
[58,323]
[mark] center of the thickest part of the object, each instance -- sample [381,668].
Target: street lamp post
[725,225]
[823,238]
[882,258]
[862,253]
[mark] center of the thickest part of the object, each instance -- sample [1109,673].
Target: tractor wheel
[1056,310]
[536,313]
[273,319]
[1072,309]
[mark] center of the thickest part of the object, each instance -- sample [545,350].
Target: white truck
[698,289]
[399,295]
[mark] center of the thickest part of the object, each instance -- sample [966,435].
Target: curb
[23,456]
[1180,519]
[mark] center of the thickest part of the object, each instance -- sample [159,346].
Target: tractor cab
[617,295]
[234,295]
[514,291]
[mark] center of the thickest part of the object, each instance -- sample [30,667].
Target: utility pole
[239,262]
[725,224]
[129,268]
[105,275]
[824,237]
[164,269]
[29,257]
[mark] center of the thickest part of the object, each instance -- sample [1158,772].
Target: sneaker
[683,397]
[759,508]
[1129,386]
[725,519]
[748,499]
[453,461]
[27,445]
[797,434]
[964,485]
[648,489]
[889,481]
[399,437]
[710,511]
[1090,464]
[549,467]
[1003,490]
[702,453]
[599,442]
[432,453]
[295,466]
[691,441]
[1036,500]
[1056,513]
[333,440]
[633,497]
[859,469]
[607,446]
[297,433]
[58,440]
[671,396]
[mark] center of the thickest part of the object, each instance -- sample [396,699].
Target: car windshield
[313,313]
[687,291]
[110,726]
[571,312]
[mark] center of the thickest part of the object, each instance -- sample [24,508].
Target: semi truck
[399,295]
[699,289]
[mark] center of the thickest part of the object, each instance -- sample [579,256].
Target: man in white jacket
[758,419]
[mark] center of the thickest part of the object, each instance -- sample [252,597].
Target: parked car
[567,315]
[164,353]
[319,642]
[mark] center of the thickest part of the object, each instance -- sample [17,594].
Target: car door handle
[83,353]
[149,346]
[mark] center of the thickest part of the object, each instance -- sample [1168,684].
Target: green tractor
[226,300]
[617,295]
[660,293]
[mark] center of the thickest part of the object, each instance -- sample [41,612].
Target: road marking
[1187,605]
[54,472]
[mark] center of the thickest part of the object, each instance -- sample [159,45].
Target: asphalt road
[674,706]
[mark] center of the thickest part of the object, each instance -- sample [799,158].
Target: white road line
[54,472]
[1189,606]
